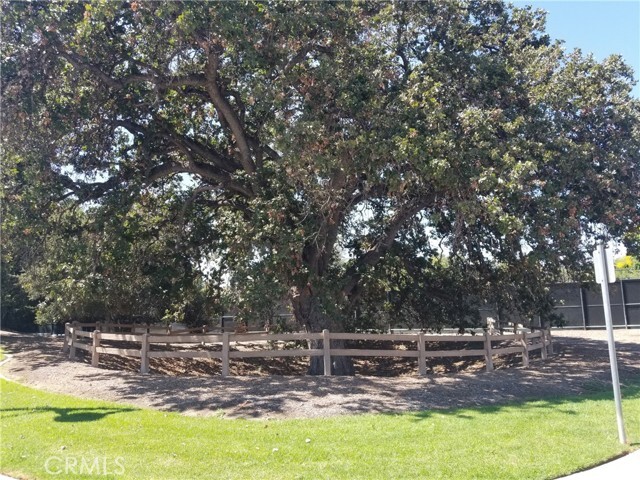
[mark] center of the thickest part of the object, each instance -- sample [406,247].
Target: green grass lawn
[538,439]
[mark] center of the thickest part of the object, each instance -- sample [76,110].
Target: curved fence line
[318,345]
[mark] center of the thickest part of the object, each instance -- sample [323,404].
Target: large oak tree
[335,142]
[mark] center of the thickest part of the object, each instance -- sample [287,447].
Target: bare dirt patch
[580,365]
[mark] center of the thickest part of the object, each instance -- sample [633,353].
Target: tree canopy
[351,158]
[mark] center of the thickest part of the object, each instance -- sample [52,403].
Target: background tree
[627,267]
[326,136]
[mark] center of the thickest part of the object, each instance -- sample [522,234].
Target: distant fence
[149,344]
[581,306]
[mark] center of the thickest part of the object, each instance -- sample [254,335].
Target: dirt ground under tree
[579,365]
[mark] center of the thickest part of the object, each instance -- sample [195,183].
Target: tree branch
[86,191]
[80,63]
[204,170]
[226,111]
[219,170]
[374,254]
[192,198]
[223,163]
[164,170]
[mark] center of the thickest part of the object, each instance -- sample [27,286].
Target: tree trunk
[339,365]
[308,312]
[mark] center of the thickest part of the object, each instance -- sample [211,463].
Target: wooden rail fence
[77,338]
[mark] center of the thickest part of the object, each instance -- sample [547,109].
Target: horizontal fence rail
[317,345]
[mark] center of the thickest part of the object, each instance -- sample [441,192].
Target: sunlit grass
[536,440]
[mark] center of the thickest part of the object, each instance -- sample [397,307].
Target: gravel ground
[579,365]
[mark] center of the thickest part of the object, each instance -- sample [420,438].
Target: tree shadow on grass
[557,404]
[67,415]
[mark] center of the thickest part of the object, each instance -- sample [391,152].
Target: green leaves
[296,146]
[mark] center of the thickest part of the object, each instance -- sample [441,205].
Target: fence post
[550,350]
[525,349]
[72,347]
[422,360]
[225,354]
[488,354]
[75,325]
[326,352]
[65,344]
[543,339]
[95,356]
[144,354]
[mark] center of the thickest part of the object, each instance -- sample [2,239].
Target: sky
[601,27]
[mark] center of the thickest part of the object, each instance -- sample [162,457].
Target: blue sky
[601,27]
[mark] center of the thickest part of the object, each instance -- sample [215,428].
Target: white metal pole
[606,304]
